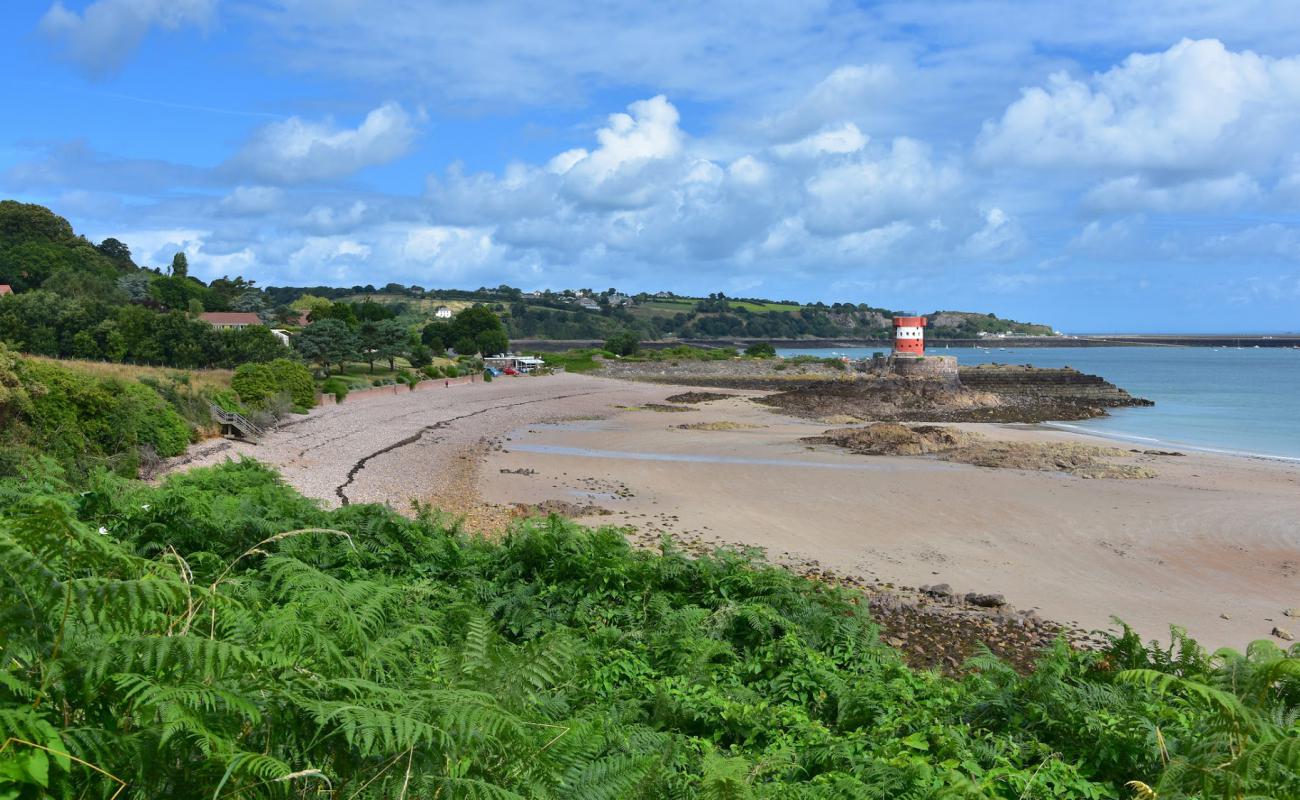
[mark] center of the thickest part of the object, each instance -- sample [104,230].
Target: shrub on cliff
[82,421]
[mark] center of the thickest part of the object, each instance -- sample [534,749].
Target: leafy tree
[477,329]
[437,336]
[420,355]
[135,285]
[117,252]
[180,266]
[761,350]
[492,343]
[326,342]
[177,292]
[624,343]
[391,340]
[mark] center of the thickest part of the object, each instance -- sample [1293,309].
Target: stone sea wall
[1065,383]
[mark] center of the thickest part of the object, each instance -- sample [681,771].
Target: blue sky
[1099,166]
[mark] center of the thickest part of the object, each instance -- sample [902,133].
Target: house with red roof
[5,289]
[230,320]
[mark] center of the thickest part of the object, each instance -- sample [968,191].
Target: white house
[443,312]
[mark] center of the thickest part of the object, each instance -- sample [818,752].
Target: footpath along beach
[1211,543]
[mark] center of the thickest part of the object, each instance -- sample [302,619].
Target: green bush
[760,350]
[295,378]
[255,384]
[336,387]
[258,384]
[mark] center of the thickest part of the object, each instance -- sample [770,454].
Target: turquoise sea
[1239,401]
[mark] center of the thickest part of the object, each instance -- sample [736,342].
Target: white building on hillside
[443,312]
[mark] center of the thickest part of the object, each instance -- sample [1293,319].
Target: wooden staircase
[235,424]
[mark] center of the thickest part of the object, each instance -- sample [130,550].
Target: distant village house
[443,312]
[230,320]
[5,289]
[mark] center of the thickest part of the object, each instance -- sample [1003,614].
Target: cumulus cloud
[649,194]
[1194,107]
[632,145]
[297,150]
[100,39]
[867,192]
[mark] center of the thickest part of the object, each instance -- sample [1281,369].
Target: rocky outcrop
[951,444]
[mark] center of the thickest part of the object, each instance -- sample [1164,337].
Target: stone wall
[359,395]
[942,368]
[1065,383]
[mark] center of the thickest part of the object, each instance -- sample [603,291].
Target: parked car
[511,371]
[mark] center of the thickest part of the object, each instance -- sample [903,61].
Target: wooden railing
[236,422]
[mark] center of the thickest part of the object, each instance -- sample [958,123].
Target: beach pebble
[986,600]
[1282,633]
[938,590]
[1292,612]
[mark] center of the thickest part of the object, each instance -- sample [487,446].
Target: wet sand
[1209,537]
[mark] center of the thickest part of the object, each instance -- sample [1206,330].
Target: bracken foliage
[220,636]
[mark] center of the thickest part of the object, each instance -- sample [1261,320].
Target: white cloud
[1139,193]
[296,150]
[848,90]
[103,37]
[1194,107]
[1000,239]
[868,192]
[633,145]
[842,138]
[252,200]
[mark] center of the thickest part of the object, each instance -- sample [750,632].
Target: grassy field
[682,304]
[672,306]
[765,308]
[199,378]
[572,360]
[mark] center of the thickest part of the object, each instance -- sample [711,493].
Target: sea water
[1241,401]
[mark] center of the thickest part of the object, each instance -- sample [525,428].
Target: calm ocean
[1239,401]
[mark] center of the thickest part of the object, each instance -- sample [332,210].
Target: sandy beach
[1211,543]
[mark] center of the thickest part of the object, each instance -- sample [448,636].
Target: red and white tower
[909,336]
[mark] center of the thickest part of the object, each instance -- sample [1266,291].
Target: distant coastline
[1081,340]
